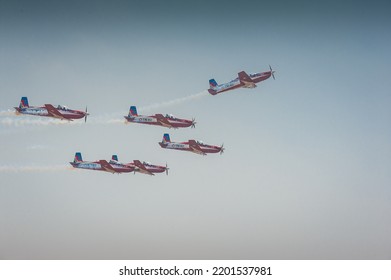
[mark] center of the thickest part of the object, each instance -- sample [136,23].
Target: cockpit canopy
[60,107]
[147,163]
[169,116]
[200,142]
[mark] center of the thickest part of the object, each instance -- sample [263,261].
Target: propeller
[167,169]
[222,149]
[193,123]
[272,72]
[85,116]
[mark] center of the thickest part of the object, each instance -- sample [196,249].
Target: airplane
[101,165]
[243,80]
[143,167]
[48,110]
[194,146]
[158,119]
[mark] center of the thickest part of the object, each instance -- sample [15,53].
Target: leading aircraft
[101,165]
[48,110]
[243,80]
[194,146]
[158,119]
[142,167]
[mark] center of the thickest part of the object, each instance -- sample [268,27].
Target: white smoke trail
[19,121]
[33,168]
[117,118]
[173,102]
[7,113]
[9,118]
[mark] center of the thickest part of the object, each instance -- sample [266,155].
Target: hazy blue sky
[306,173]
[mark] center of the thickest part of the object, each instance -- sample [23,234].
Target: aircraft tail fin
[213,83]
[24,103]
[114,157]
[132,111]
[78,157]
[166,138]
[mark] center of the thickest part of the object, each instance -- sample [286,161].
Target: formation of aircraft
[243,80]
[48,110]
[114,166]
[158,119]
[194,146]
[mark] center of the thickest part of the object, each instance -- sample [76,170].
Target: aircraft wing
[245,78]
[54,112]
[163,121]
[141,168]
[106,166]
[196,148]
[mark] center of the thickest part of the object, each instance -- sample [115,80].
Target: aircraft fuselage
[43,112]
[185,146]
[152,120]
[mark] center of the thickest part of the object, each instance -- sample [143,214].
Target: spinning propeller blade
[272,72]
[193,123]
[85,116]
[222,149]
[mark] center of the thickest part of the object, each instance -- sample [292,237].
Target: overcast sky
[306,173]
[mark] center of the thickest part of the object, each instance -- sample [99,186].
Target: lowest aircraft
[158,119]
[113,166]
[48,110]
[194,146]
[243,80]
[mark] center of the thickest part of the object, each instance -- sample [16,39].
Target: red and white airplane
[243,80]
[192,146]
[158,119]
[101,165]
[48,110]
[142,167]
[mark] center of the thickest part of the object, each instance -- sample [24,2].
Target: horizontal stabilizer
[212,91]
